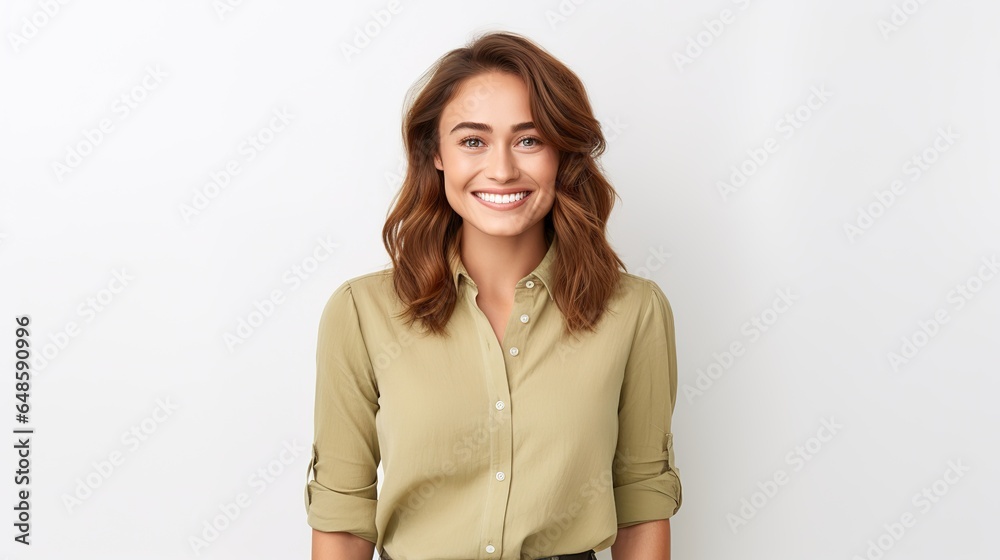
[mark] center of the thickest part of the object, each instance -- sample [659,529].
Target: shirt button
[529,284]
[524,318]
[500,405]
[499,476]
[513,350]
[490,548]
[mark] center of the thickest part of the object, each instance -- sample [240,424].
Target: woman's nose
[501,166]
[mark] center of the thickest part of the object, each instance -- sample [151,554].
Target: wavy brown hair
[421,229]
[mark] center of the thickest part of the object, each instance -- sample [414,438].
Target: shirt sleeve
[647,483]
[345,452]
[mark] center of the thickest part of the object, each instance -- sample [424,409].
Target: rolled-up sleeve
[345,453]
[647,483]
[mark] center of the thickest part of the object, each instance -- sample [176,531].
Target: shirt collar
[543,272]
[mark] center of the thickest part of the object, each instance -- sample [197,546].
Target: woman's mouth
[502,201]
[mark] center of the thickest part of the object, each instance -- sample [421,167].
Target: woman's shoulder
[638,292]
[367,289]
[370,280]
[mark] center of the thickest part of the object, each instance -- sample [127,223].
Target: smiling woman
[515,382]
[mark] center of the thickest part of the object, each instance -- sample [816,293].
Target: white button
[524,318]
[529,284]
[499,476]
[513,350]
[490,548]
[499,405]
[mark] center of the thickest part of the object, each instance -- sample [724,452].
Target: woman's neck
[496,263]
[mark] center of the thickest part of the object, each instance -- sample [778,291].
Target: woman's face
[489,145]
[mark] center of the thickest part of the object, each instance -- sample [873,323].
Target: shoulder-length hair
[420,231]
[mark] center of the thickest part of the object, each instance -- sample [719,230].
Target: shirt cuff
[329,511]
[648,500]
[654,498]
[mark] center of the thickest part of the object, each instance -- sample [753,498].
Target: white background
[676,130]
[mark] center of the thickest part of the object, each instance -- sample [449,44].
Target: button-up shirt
[539,445]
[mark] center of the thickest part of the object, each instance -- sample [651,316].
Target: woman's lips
[502,205]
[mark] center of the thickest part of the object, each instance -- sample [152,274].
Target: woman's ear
[437,162]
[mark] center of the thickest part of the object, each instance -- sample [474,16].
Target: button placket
[502,445]
[524,318]
[500,432]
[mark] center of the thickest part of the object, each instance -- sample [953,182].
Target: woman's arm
[340,546]
[645,541]
[341,499]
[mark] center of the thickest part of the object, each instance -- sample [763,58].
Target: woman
[516,384]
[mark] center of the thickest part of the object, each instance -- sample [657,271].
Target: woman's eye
[473,142]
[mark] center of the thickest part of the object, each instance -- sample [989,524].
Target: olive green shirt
[538,446]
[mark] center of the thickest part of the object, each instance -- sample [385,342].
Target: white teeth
[502,199]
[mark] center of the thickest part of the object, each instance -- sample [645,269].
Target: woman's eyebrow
[487,128]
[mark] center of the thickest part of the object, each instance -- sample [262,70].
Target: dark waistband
[588,555]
